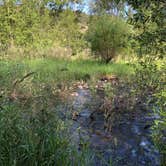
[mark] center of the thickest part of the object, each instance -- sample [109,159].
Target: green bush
[159,127]
[107,36]
[149,86]
[148,77]
[27,27]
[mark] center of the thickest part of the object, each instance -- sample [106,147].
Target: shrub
[159,128]
[107,36]
[150,88]
[149,77]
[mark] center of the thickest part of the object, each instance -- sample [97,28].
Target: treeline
[31,25]
[39,24]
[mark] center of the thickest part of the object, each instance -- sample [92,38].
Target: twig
[18,81]
[1,107]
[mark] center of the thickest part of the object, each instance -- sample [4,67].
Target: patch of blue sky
[1,2]
[83,6]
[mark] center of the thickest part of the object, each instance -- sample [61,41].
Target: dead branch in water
[13,94]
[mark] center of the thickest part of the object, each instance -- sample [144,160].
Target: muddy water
[129,144]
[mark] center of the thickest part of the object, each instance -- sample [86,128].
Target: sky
[1,2]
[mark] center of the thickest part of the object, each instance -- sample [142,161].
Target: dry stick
[1,107]
[22,79]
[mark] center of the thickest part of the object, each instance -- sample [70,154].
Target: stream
[128,144]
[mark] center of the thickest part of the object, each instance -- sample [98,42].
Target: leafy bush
[148,77]
[107,36]
[159,128]
[149,20]
[18,24]
[150,88]
[31,26]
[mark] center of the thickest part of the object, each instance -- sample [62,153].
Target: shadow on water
[127,144]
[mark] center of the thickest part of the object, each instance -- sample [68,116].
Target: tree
[113,7]
[107,36]
[37,24]
[19,24]
[149,19]
[69,34]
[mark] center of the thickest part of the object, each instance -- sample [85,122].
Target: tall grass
[61,70]
[32,132]
[36,138]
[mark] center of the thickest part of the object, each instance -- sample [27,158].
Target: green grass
[60,70]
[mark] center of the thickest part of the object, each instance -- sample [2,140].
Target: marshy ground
[91,107]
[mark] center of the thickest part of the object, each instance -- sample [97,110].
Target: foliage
[20,24]
[69,32]
[113,7]
[32,132]
[31,25]
[150,77]
[159,127]
[149,19]
[107,36]
[150,89]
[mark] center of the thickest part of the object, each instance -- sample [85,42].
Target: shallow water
[127,144]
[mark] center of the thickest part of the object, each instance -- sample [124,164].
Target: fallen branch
[18,81]
[1,108]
